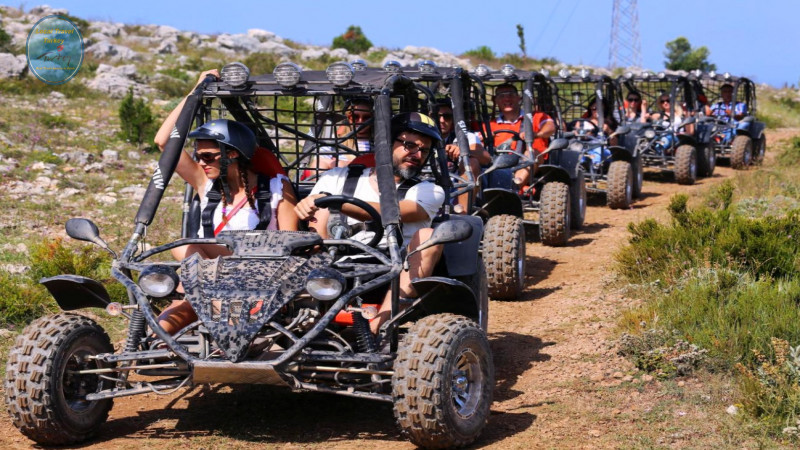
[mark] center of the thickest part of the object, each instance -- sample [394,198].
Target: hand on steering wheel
[575,127]
[334,204]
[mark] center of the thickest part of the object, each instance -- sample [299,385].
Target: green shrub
[483,52]
[353,40]
[176,73]
[173,87]
[22,300]
[791,154]
[137,123]
[5,41]
[52,257]
[261,63]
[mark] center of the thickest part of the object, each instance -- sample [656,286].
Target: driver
[413,137]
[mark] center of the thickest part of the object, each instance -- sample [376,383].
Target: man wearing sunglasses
[413,137]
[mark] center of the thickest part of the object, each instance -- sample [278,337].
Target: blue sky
[748,38]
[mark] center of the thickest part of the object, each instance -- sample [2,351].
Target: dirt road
[559,381]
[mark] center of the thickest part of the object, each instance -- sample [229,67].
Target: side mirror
[446,232]
[502,161]
[748,119]
[624,129]
[85,230]
[558,144]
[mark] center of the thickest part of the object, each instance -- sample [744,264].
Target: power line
[564,27]
[547,23]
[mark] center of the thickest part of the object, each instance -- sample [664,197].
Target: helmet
[228,132]
[418,123]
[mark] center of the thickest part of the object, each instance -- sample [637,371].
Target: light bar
[235,74]
[340,73]
[287,74]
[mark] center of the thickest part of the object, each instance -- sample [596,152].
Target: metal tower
[626,48]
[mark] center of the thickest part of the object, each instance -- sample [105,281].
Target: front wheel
[577,197]
[554,214]
[761,149]
[443,382]
[686,164]
[706,160]
[504,255]
[638,176]
[741,152]
[620,185]
[43,392]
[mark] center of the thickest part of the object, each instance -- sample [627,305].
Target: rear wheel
[46,398]
[741,152]
[620,185]
[504,255]
[577,198]
[706,160]
[443,382]
[554,214]
[686,164]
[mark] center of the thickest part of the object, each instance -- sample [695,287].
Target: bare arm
[187,168]
[287,219]
[410,211]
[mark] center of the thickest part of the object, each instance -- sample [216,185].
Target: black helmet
[418,123]
[228,132]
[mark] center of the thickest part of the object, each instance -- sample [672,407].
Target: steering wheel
[334,204]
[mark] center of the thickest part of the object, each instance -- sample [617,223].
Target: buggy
[668,143]
[735,132]
[556,192]
[608,168]
[286,308]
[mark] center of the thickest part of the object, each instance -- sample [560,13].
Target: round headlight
[158,281]
[325,284]
[482,70]
[508,70]
[649,134]
[726,75]
[646,75]
[235,74]
[564,73]
[576,146]
[287,74]
[545,72]
[584,73]
[628,75]
[358,65]
[712,74]
[697,72]
[392,66]
[340,73]
[427,67]
[662,75]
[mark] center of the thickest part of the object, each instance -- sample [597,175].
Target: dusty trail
[559,381]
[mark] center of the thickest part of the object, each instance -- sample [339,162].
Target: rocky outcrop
[12,66]
[117,80]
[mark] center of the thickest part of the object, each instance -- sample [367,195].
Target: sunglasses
[447,116]
[413,147]
[634,99]
[208,157]
[506,94]
[666,100]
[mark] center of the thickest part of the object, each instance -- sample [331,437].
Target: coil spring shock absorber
[135,331]
[365,339]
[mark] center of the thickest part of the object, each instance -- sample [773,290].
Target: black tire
[741,152]
[638,176]
[761,150]
[577,198]
[706,160]
[504,255]
[620,185]
[443,382]
[686,164]
[44,401]
[554,214]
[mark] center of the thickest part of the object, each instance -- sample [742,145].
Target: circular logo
[54,49]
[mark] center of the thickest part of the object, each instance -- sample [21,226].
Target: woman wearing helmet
[228,189]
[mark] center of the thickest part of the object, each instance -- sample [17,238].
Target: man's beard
[407,173]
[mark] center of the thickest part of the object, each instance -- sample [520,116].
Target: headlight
[482,70]
[712,74]
[235,74]
[340,73]
[545,72]
[576,146]
[287,74]
[427,67]
[325,284]
[393,67]
[508,70]
[628,75]
[726,75]
[662,75]
[584,73]
[158,281]
[646,75]
[358,65]
[649,134]
[564,73]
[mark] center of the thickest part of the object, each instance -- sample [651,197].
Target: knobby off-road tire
[443,382]
[685,164]
[761,150]
[741,152]
[45,402]
[638,176]
[504,255]
[577,199]
[706,160]
[554,214]
[620,185]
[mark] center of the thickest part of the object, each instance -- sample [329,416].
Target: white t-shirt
[362,146]
[425,194]
[246,218]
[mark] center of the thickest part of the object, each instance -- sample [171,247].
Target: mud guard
[686,139]
[620,153]
[565,160]
[75,292]
[445,295]
[501,201]
[459,257]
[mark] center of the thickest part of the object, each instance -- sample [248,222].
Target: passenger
[358,111]
[507,101]
[674,119]
[478,156]
[225,147]
[637,108]
[413,137]
[725,109]
[595,159]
